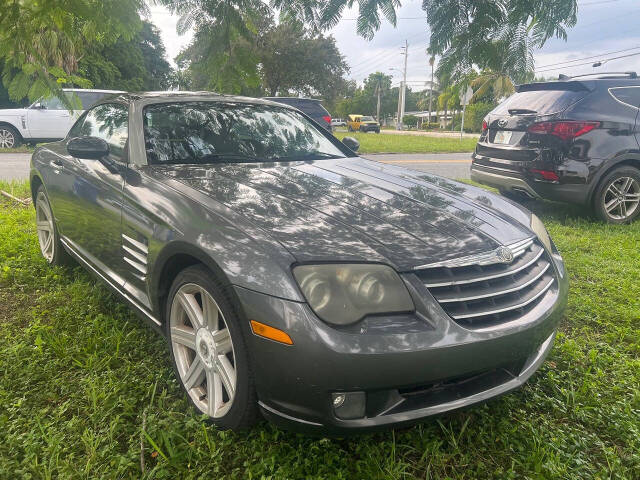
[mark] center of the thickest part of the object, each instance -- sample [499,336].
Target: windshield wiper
[233,156]
[309,156]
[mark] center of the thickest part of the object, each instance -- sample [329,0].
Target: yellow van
[362,123]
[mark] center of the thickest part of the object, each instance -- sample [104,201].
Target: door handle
[56,164]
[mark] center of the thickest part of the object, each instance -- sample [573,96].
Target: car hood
[12,112]
[359,210]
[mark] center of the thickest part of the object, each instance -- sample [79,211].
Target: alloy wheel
[7,138]
[622,197]
[44,227]
[203,350]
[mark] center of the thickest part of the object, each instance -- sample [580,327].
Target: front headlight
[539,229]
[344,293]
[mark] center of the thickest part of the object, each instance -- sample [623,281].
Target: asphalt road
[452,165]
[14,166]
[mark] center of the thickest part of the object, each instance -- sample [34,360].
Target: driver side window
[110,122]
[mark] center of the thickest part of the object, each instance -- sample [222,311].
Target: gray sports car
[290,276]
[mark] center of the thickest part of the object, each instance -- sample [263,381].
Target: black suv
[309,106]
[572,140]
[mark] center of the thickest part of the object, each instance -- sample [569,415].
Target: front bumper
[369,128]
[408,368]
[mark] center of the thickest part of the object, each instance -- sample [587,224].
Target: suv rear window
[627,95]
[541,101]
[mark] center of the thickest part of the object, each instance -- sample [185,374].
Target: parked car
[572,140]
[309,106]
[291,276]
[338,122]
[362,123]
[45,120]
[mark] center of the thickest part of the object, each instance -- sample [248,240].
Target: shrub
[410,120]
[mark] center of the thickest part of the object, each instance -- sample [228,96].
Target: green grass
[83,382]
[20,149]
[393,143]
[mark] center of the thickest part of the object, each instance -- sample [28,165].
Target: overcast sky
[603,26]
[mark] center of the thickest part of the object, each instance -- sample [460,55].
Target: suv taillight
[566,130]
[327,119]
[484,125]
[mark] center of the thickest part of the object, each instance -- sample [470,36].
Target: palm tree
[497,36]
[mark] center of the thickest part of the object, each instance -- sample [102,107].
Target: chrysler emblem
[502,123]
[504,255]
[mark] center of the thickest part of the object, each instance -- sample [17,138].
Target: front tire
[617,199]
[48,237]
[9,137]
[208,349]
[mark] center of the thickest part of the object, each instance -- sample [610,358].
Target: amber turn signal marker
[271,333]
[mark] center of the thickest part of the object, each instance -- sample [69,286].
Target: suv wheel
[9,137]
[618,197]
[208,349]
[48,238]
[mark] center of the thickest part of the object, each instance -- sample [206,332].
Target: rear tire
[208,349]
[9,137]
[617,199]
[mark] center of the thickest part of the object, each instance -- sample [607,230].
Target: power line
[604,60]
[588,4]
[397,18]
[586,58]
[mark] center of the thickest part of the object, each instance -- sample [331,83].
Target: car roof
[296,99]
[147,98]
[91,90]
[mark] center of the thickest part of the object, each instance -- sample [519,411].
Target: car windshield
[216,132]
[367,119]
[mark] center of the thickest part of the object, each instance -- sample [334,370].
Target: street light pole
[431,62]
[378,106]
[404,84]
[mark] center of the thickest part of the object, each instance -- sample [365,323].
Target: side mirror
[351,143]
[39,106]
[90,148]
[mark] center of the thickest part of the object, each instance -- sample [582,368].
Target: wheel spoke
[47,244]
[611,205]
[627,184]
[623,209]
[209,312]
[195,374]
[614,190]
[227,374]
[191,308]
[184,336]
[223,341]
[214,393]
[43,226]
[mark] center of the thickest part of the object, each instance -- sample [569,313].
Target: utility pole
[378,106]
[404,84]
[432,60]
[398,127]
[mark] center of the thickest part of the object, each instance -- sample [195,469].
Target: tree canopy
[281,59]
[41,42]
[136,64]
[497,36]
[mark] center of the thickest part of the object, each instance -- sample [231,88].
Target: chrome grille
[480,291]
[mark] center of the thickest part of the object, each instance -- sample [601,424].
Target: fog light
[349,405]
